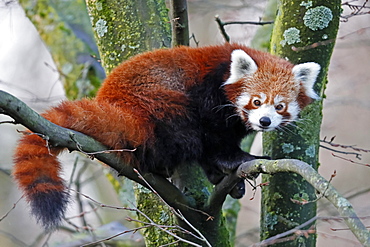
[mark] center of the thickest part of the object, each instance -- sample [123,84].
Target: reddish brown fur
[132,101]
[31,152]
[134,96]
[120,129]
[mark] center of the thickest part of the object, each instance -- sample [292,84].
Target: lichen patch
[317,18]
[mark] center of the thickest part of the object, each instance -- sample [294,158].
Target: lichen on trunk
[303,32]
[125,28]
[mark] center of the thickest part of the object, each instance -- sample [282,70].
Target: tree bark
[324,187]
[180,26]
[303,32]
[124,28]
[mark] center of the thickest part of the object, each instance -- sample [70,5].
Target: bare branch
[356,10]
[343,206]
[221,190]
[296,231]
[7,213]
[222,25]
[150,223]
[354,148]
[351,161]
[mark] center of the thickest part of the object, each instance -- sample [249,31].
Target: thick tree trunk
[122,29]
[303,32]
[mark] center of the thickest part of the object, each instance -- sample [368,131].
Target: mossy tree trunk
[303,32]
[125,28]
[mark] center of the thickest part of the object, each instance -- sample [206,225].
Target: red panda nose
[265,121]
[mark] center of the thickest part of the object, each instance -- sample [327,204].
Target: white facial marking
[242,65]
[293,109]
[263,97]
[278,99]
[242,101]
[268,111]
[306,73]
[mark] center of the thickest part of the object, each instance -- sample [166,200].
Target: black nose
[265,121]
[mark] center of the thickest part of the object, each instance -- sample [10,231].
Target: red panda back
[173,71]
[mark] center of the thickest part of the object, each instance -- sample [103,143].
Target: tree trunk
[123,29]
[303,32]
[180,25]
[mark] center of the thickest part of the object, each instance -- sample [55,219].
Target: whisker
[220,107]
[233,115]
[285,130]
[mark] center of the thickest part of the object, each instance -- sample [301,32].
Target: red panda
[172,106]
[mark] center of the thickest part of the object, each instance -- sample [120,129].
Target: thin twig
[114,236]
[222,25]
[349,160]
[91,154]
[345,146]
[358,156]
[356,10]
[150,223]
[14,205]
[273,239]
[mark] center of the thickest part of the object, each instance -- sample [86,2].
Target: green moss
[53,20]
[99,6]
[301,142]
[154,209]
[135,27]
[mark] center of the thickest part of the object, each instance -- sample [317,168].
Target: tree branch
[343,206]
[222,24]
[76,141]
[221,190]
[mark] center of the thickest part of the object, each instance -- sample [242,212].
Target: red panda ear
[306,74]
[241,65]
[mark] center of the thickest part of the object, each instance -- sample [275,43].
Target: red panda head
[269,92]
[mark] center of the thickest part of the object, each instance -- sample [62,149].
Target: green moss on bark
[298,31]
[60,39]
[132,28]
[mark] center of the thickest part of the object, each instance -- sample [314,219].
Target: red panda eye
[279,107]
[257,102]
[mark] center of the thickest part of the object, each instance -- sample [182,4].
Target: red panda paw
[239,190]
